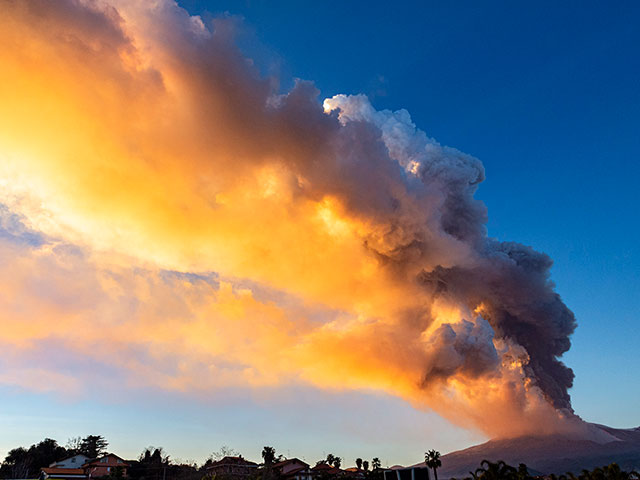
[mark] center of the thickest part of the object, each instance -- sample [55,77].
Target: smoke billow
[137,131]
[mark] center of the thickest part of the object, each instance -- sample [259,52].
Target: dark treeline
[26,462]
[501,471]
[154,464]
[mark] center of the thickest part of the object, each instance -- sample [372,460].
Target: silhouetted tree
[330,458]
[495,471]
[337,461]
[16,464]
[359,463]
[376,470]
[365,465]
[224,451]
[93,446]
[432,460]
[25,463]
[501,471]
[523,472]
[151,465]
[73,446]
[269,457]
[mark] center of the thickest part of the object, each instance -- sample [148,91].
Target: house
[232,467]
[105,465]
[293,469]
[66,469]
[324,470]
[355,473]
[72,462]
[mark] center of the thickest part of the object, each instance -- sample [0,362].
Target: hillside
[550,454]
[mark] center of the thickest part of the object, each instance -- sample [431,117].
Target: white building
[72,462]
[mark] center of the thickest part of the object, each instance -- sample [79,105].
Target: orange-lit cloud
[199,229]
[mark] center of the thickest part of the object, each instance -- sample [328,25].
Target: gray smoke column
[508,280]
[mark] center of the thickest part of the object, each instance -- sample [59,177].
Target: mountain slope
[551,454]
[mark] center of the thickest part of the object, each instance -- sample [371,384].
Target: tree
[224,451]
[73,445]
[495,471]
[359,463]
[432,460]
[375,463]
[523,472]
[151,465]
[365,465]
[337,461]
[26,463]
[93,446]
[16,464]
[268,456]
[330,458]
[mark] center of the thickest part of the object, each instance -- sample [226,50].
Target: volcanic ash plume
[347,247]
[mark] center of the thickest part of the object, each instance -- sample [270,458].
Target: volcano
[548,454]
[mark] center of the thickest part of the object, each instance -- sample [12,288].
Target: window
[119,461]
[104,460]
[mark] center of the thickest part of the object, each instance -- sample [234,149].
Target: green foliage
[501,471]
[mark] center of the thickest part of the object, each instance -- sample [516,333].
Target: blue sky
[547,96]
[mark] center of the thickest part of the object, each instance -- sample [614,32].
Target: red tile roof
[289,460]
[63,471]
[326,468]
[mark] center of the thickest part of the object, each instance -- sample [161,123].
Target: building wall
[103,466]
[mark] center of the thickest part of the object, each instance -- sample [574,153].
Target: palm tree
[268,455]
[432,460]
[375,463]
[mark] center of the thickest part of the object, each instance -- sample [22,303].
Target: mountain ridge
[546,454]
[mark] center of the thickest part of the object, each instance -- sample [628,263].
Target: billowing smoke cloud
[347,246]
